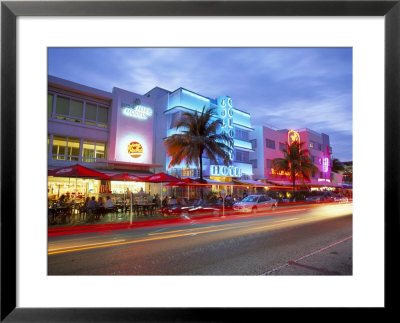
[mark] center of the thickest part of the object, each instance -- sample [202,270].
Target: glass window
[100,150]
[282,146]
[102,115]
[62,106]
[73,148]
[50,99]
[90,113]
[88,151]
[76,109]
[253,163]
[270,143]
[59,147]
[253,143]
[242,156]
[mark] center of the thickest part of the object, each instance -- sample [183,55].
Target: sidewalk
[115,222]
[335,259]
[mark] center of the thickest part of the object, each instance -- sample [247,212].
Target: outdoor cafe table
[59,211]
[143,208]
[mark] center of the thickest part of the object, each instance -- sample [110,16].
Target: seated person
[92,204]
[172,201]
[101,202]
[109,203]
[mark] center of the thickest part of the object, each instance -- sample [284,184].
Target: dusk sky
[283,88]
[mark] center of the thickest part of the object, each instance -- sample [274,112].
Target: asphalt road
[302,240]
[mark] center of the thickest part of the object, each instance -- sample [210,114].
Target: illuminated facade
[124,131]
[236,123]
[268,144]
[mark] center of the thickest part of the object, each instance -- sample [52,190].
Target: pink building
[268,143]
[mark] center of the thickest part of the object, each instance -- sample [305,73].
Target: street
[297,240]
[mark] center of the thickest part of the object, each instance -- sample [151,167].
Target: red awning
[125,177]
[161,178]
[77,171]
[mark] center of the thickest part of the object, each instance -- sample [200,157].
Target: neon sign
[135,149]
[216,170]
[226,114]
[293,136]
[325,165]
[279,172]
[136,111]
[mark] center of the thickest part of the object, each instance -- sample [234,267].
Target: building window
[65,148]
[242,156]
[241,134]
[282,146]
[319,147]
[96,115]
[270,143]
[73,147]
[312,159]
[93,150]
[253,143]
[321,175]
[253,163]
[69,109]
[174,118]
[311,144]
[50,100]
[59,147]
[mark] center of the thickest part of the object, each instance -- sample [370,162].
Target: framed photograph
[369,29]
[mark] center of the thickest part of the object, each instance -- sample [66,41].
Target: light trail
[255,226]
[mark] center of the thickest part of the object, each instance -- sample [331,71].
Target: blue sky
[288,88]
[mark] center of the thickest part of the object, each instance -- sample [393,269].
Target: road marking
[88,245]
[285,220]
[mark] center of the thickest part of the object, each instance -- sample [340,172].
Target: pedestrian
[165,201]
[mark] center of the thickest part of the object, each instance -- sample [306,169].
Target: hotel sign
[217,170]
[136,111]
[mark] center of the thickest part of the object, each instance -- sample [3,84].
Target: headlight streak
[310,217]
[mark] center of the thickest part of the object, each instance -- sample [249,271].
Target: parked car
[315,199]
[341,198]
[255,203]
[195,208]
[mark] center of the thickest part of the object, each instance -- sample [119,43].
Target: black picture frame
[10,10]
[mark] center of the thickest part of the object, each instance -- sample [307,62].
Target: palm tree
[200,135]
[296,162]
[337,166]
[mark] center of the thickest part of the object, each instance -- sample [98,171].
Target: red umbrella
[160,178]
[125,177]
[77,171]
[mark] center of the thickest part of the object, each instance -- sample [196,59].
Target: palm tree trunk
[201,171]
[294,182]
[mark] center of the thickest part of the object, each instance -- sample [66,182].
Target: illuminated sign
[279,172]
[226,115]
[136,111]
[216,170]
[324,180]
[282,172]
[325,165]
[293,136]
[135,149]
